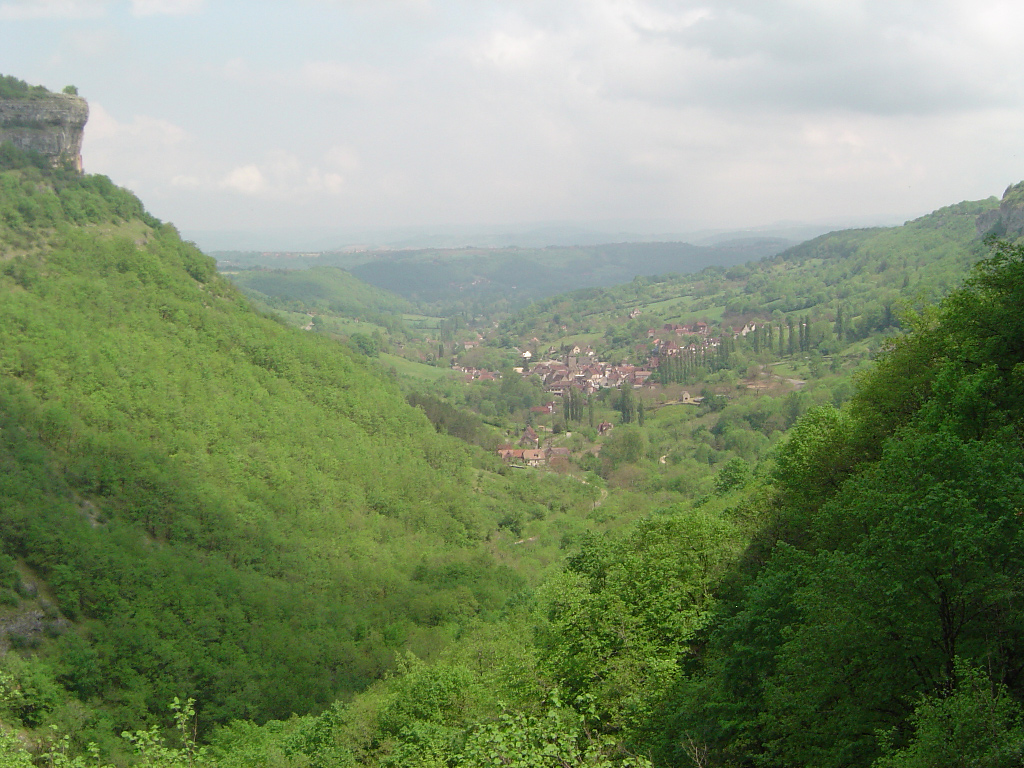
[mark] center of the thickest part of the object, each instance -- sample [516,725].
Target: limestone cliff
[51,125]
[1008,219]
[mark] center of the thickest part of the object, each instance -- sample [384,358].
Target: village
[579,370]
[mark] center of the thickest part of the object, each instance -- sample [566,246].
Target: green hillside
[320,288]
[860,277]
[855,601]
[203,507]
[199,501]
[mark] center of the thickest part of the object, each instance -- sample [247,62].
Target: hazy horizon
[434,116]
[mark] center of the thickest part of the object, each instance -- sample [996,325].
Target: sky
[255,118]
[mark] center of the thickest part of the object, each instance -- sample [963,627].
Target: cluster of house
[477,374]
[679,329]
[586,375]
[532,457]
[530,453]
[687,338]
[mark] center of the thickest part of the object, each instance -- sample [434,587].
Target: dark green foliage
[978,725]
[451,420]
[906,575]
[12,158]
[13,88]
[733,475]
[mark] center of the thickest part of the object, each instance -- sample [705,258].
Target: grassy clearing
[415,370]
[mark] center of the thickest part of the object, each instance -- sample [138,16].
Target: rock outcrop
[51,125]
[1008,219]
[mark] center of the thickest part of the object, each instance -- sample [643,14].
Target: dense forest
[226,542]
[198,501]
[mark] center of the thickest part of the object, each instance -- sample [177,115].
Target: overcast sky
[675,114]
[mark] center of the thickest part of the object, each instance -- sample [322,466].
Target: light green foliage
[326,292]
[977,725]
[13,88]
[12,752]
[815,459]
[616,623]
[559,738]
[242,744]
[418,717]
[234,510]
[153,752]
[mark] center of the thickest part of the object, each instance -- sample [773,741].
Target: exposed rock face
[51,126]
[1008,219]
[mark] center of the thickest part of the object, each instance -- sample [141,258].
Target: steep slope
[227,508]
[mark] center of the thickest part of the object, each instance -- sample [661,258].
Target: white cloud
[166,7]
[341,78]
[508,51]
[717,111]
[186,182]
[319,181]
[284,177]
[18,10]
[104,128]
[246,179]
[342,158]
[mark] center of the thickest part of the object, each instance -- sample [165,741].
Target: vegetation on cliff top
[13,88]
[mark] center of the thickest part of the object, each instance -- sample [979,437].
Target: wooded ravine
[230,542]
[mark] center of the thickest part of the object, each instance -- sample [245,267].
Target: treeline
[39,200]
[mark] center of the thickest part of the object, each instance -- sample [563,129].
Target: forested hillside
[199,501]
[321,288]
[852,281]
[204,509]
[854,602]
